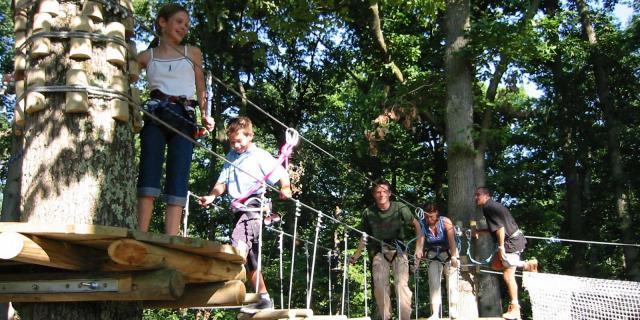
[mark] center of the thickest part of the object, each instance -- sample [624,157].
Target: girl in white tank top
[172,70]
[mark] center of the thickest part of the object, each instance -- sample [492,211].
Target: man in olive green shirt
[387,221]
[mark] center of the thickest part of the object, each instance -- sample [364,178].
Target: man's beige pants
[381,283]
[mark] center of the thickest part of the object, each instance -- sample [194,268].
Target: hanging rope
[260,219]
[329,255]
[344,272]
[293,250]
[364,261]
[313,263]
[281,249]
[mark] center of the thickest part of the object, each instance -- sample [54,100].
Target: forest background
[389,89]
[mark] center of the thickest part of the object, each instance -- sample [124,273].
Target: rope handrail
[555,240]
[280,231]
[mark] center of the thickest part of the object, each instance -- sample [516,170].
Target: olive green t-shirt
[387,225]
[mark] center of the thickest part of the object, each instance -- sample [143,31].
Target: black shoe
[263,304]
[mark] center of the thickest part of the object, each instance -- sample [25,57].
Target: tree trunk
[459,120]
[78,164]
[614,127]
[11,196]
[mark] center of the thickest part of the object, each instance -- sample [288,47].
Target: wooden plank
[47,252]
[205,295]
[330,317]
[198,246]
[62,287]
[274,314]
[67,232]
[138,254]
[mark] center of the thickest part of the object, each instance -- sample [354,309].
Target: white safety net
[565,297]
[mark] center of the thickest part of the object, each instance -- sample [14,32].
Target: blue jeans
[153,140]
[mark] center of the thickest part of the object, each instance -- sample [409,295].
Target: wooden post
[162,284]
[230,293]
[137,254]
[47,252]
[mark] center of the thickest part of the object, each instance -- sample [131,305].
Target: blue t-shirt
[248,166]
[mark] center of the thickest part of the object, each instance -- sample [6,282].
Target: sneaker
[513,313]
[271,218]
[531,265]
[262,304]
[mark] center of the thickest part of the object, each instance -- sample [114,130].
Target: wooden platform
[274,314]
[101,237]
[91,262]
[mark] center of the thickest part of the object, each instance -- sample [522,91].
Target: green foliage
[315,66]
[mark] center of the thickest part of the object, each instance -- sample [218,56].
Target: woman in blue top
[175,77]
[442,253]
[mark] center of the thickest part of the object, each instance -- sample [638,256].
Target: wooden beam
[277,314]
[66,231]
[46,252]
[162,284]
[329,317]
[214,249]
[205,295]
[133,253]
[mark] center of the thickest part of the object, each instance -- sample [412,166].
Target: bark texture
[459,122]
[77,168]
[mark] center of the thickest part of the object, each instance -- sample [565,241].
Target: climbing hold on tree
[19,23]
[80,48]
[49,6]
[92,10]
[133,66]
[116,53]
[76,101]
[35,102]
[137,118]
[35,77]
[120,110]
[20,38]
[19,111]
[80,23]
[19,63]
[40,47]
[42,22]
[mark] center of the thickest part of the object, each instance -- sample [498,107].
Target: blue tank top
[439,239]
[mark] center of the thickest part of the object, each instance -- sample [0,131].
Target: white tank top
[174,77]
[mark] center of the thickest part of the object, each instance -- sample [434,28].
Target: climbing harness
[167,108]
[291,140]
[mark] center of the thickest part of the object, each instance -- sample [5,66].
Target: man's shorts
[511,260]
[246,235]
